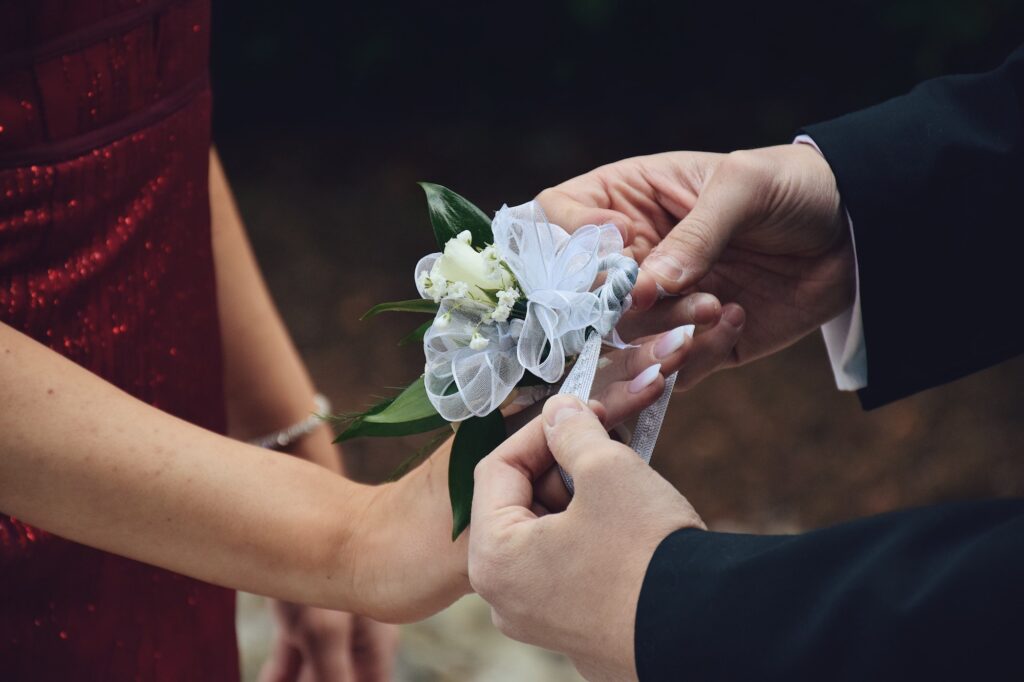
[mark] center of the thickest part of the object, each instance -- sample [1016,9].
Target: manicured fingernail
[645,378]
[664,266]
[672,341]
[734,316]
[560,408]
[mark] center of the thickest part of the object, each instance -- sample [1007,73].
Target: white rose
[460,262]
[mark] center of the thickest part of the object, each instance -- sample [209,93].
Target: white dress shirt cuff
[844,335]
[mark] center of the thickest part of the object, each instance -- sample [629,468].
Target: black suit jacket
[934,184]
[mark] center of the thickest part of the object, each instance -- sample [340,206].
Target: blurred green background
[327,115]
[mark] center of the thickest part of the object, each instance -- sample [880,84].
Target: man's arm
[932,182]
[933,593]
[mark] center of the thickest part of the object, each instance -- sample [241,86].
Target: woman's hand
[320,645]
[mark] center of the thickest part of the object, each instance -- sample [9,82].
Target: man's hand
[570,581]
[762,228]
[313,645]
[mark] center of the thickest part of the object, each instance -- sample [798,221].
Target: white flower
[508,297]
[432,285]
[478,342]
[466,237]
[457,290]
[460,262]
[501,313]
[476,350]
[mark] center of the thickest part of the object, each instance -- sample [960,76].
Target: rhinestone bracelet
[279,440]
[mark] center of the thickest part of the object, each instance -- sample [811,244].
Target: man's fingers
[550,491]
[572,430]
[505,477]
[568,212]
[693,246]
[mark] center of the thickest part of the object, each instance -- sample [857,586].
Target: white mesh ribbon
[462,382]
[556,272]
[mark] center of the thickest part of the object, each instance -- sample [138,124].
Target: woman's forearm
[86,461]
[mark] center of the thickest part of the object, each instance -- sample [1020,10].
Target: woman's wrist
[406,565]
[283,438]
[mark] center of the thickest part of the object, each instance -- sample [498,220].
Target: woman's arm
[86,461]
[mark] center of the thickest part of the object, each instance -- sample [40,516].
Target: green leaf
[450,214]
[407,413]
[415,305]
[475,439]
[416,334]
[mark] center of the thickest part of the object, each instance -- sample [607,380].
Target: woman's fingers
[625,399]
[667,349]
[697,308]
[627,383]
[712,347]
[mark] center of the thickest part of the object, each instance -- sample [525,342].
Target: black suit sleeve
[933,182]
[927,594]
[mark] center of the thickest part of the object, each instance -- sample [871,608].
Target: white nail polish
[672,341]
[645,378]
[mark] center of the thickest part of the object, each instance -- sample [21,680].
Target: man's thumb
[690,250]
[572,430]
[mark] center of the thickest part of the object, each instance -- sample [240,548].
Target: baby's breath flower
[501,313]
[457,290]
[443,321]
[478,342]
[433,285]
[508,297]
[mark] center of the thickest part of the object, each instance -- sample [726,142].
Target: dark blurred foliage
[326,115]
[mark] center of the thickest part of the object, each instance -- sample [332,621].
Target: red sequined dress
[105,257]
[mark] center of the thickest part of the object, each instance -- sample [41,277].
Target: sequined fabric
[105,257]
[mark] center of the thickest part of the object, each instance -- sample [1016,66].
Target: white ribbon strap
[579,383]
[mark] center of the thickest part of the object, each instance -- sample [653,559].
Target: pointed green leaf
[415,305]
[416,334]
[474,440]
[450,214]
[407,413]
